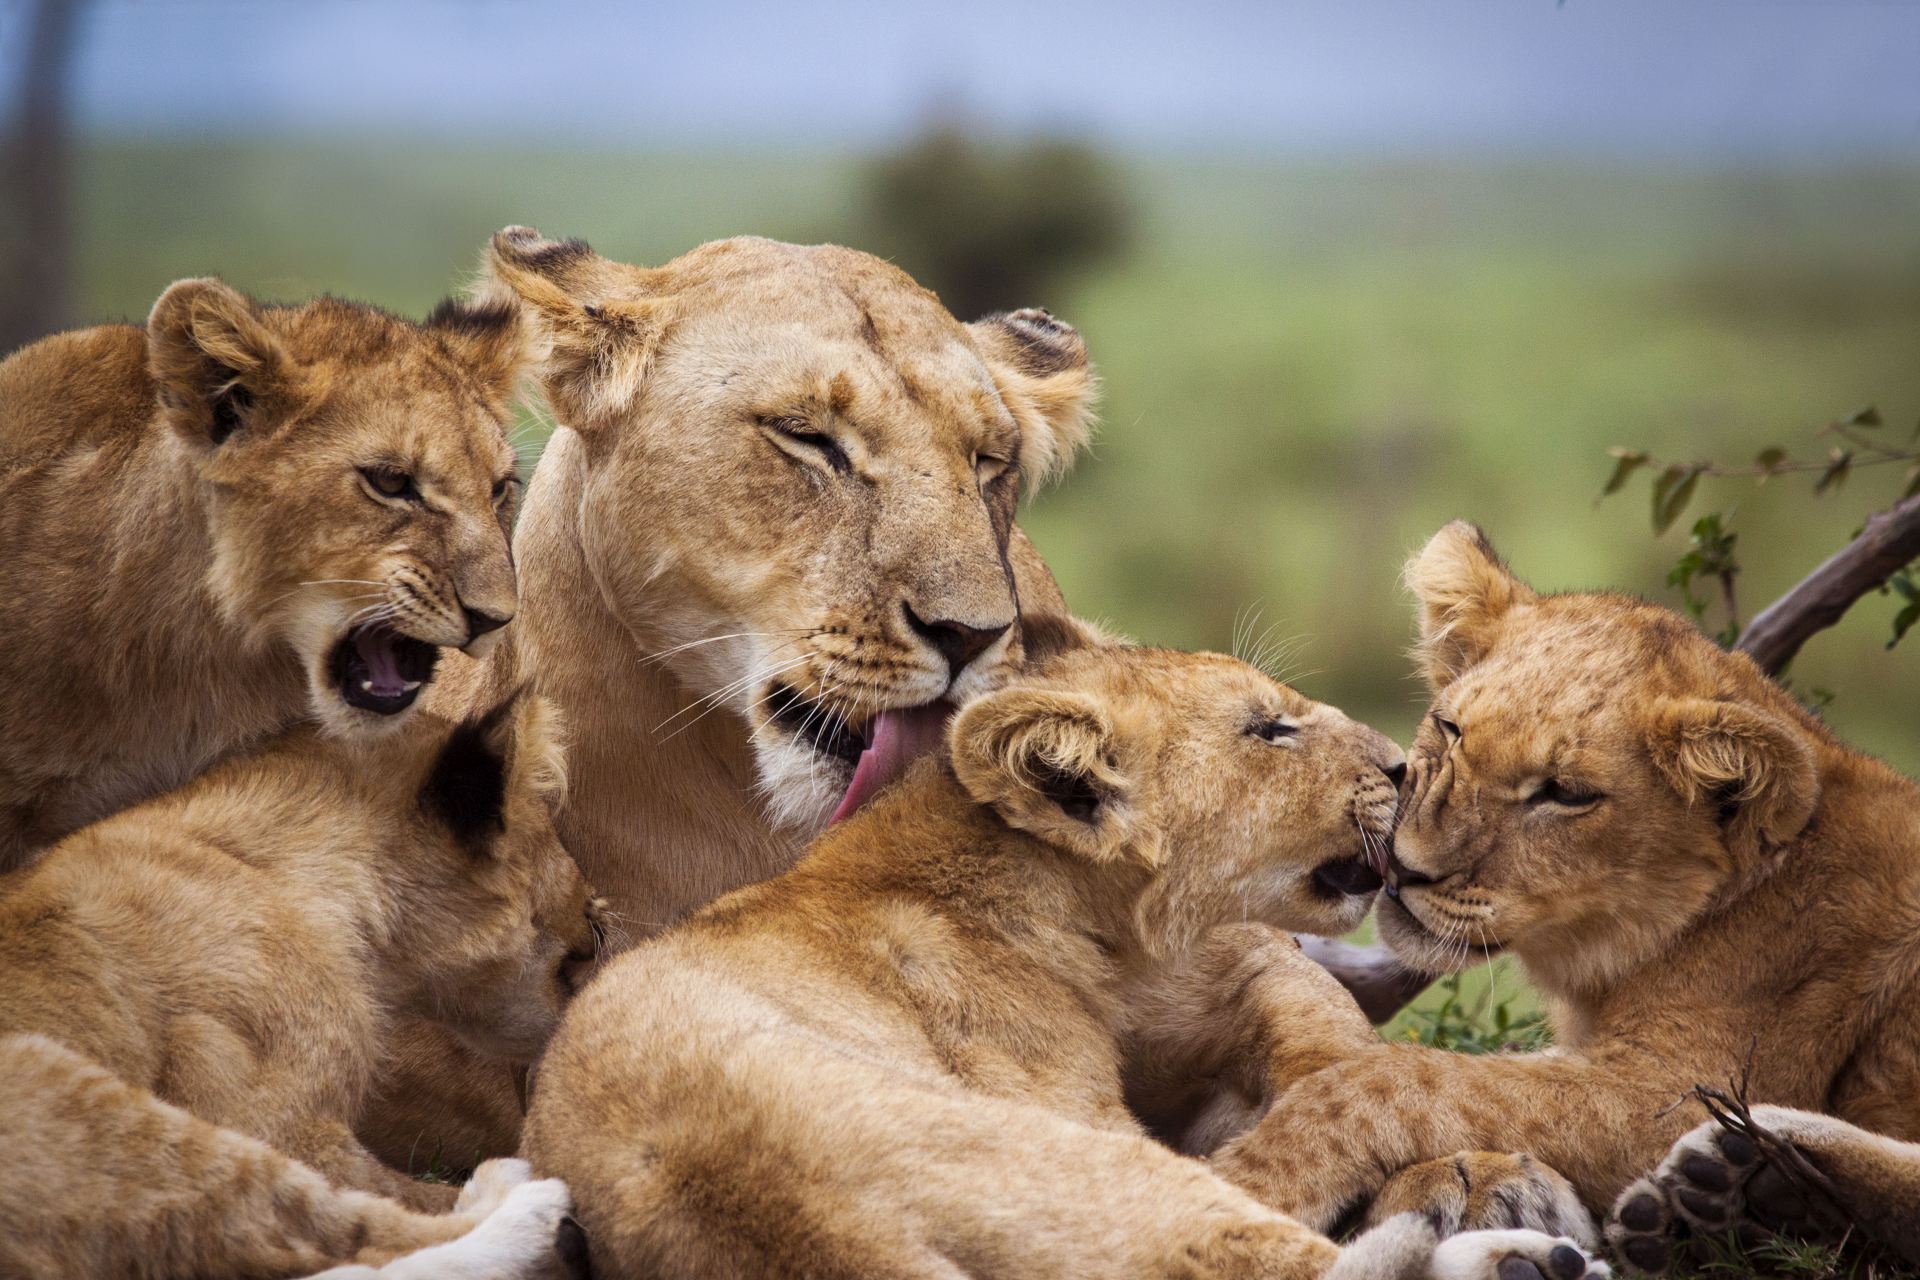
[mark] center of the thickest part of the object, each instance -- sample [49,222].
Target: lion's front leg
[1330,1142]
[1216,1035]
[1754,1184]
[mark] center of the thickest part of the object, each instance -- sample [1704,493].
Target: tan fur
[1741,891]
[901,1058]
[214,969]
[173,595]
[681,556]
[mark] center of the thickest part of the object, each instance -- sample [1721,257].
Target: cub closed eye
[803,433]
[391,482]
[1273,732]
[1446,727]
[501,488]
[1569,795]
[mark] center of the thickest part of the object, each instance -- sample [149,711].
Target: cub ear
[1044,760]
[1465,593]
[213,357]
[1040,366]
[1755,768]
[466,788]
[1045,633]
[488,337]
[595,323]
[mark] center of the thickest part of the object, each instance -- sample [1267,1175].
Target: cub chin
[902,1056]
[196,990]
[233,519]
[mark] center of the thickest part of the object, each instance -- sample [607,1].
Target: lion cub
[196,990]
[238,517]
[901,1058]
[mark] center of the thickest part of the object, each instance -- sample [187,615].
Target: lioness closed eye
[236,518]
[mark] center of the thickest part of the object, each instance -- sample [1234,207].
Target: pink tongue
[899,738]
[383,664]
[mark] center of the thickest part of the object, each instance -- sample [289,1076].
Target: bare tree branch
[1890,540]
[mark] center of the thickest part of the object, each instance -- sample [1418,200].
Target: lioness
[234,949]
[778,501]
[235,518]
[901,1058]
[1703,882]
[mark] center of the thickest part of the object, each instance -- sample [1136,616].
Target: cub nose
[478,623]
[1401,876]
[1396,773]
[958,642]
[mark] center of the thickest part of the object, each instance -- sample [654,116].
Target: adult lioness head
[1593,775]
[803,485]
[1217,792]
[359,476]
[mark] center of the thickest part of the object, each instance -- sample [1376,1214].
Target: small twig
[1732,1112]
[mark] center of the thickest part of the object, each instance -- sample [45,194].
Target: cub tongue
[375,647]
[899,738]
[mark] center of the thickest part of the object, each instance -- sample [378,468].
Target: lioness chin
[236,518]
[902,1057]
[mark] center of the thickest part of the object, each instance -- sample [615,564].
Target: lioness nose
[478,623]
[1396,773]
[958,642]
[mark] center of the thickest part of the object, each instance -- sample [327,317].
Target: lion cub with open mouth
[236,518]
[902,1058]
[196,990]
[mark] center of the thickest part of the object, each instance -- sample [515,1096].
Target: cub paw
[1406,1247]
[490,1184]
[1714,1182]
[523,1239]
[1514,1255]
[1487,1191]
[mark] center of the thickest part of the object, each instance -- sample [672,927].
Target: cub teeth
[366,686]
[411,685]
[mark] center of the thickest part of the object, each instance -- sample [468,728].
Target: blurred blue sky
[1793,77]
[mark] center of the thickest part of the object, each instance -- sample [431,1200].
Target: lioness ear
[212,356]
[488,337]
[1040,365]
[595,325]
[1044,759]
[1465,593]
[1754,768]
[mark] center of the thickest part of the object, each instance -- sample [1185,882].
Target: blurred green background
[1310,363]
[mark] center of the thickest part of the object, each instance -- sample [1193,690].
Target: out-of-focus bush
[994,226]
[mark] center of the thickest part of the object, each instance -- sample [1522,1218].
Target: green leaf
[1903,622]
[1836,473]
[1671,493]
[1904,584]
[1630,461]
[1769,460]
[1867,417]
